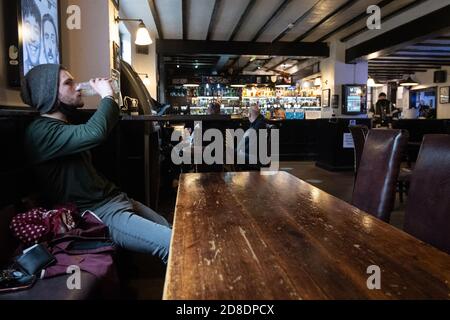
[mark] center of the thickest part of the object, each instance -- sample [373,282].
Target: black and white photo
[40,33]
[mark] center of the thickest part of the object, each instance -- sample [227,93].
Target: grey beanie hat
[40,87]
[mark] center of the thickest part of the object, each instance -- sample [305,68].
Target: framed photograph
[335,101]
[40,33]
[444,95]
[116,56]
[115,76]
[326,98]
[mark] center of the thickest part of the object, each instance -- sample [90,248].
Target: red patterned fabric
[39,225]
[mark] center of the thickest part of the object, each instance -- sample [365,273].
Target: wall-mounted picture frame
[444,95]
[39,33]
[335,101]
[116,56]
[326,98]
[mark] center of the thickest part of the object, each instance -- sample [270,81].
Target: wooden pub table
[247,236]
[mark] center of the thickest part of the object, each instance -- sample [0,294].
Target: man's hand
[102,86]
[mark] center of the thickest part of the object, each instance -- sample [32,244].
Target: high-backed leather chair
[427,214]
[359,134]
[375,185]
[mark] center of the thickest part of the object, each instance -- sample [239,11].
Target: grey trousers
[136,227]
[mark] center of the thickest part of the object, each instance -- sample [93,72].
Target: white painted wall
[87,53]
[335,73]
[139,9]
[146,64]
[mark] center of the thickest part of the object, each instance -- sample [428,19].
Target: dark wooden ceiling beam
[404,61]
[279,64]
[384,19]
[244,15]
[420,66]
[344,6]
[174,47]
[395,71]
[434,45]
[400,37]
[233,62]
[180,59]
[296,22]
[249,62]
[223,60]
[362,15]
[185,18]
[280,9]
[155,14]
[421,62]
[390,74]
[190,63]
[213,20]
[424,51]
[371,67]
[428,56]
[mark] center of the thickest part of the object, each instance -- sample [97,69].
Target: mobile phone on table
[14,280]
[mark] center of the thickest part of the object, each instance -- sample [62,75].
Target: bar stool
[427,214]
[375,185]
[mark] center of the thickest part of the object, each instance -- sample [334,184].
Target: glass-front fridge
[354,99]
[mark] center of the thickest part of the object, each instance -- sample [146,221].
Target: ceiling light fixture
[372,84]
[409,82]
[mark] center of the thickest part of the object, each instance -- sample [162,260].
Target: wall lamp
[142,36]
[146,80]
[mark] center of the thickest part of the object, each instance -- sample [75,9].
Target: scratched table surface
[247,236]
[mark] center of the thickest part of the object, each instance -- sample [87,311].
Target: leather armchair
[359,134]
[428,209]
[375,185]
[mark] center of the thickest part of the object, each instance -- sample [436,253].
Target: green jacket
[62,162]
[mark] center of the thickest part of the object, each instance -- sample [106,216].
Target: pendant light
[371,83]
[409,82]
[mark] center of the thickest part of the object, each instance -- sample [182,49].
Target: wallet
[35,259]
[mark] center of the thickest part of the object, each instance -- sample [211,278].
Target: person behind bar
[213,108]
[257,122]
[383,109]
[60,154]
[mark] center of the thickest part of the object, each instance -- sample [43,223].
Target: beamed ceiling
[419,57]
[272,21]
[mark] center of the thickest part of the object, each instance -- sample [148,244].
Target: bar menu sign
[348,141]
